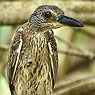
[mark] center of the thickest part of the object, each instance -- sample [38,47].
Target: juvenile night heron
[33,57]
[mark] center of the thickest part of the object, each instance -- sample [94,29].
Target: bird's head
[48,17]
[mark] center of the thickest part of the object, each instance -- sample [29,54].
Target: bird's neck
[37,28]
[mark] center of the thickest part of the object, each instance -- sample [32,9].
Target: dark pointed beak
[65,20]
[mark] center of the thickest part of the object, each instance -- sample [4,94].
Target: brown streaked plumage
[33,58]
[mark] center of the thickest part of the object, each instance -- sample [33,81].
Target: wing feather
[13,57]
[53,54]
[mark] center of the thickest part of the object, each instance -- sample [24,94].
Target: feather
[13,58]
[53,54]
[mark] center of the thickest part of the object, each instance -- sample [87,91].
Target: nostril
[61,17]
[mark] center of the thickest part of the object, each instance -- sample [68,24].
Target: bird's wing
[53,54]
[13,57]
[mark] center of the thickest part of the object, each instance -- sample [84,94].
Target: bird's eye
[47,15]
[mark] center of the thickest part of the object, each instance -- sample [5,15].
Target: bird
[32,64]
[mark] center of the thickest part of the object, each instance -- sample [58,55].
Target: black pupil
[48,15]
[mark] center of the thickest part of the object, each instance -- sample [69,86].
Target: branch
[18,12]
[87,55]
[4,48]
[84,85]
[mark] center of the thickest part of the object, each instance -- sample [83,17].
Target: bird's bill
[68,21]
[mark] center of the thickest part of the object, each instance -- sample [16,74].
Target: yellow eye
[47,15]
